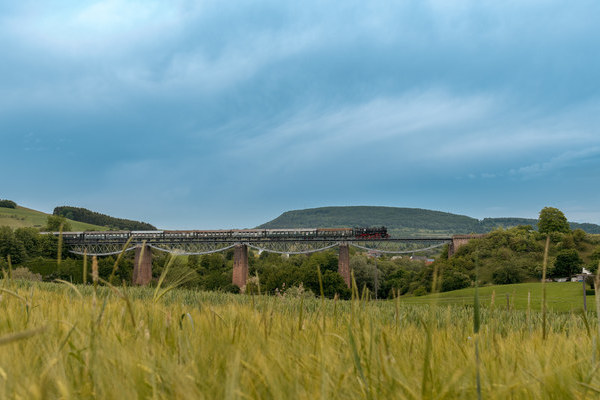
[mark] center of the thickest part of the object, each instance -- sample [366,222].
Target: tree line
[95,218]
[7,203]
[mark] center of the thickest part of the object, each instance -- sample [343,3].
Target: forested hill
[92,217]
[400,221]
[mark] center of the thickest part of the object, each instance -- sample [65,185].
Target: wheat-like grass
[203,345]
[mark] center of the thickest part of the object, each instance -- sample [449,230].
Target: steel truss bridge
[207,242]
[102,246]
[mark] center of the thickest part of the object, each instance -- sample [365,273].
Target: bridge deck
[175,240]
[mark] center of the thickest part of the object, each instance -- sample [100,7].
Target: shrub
[420,291]
[579,235]
[454,280]
[507,274]
[26,275]
[298,292]
[252,285]
[568,242]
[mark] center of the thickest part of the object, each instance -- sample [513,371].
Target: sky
[212,114]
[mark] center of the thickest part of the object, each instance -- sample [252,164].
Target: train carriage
[286,232]
[334,232]
[366,233]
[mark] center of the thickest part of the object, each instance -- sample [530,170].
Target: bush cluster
[23,244]
[8,204]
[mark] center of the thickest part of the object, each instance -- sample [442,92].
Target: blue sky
[211,114]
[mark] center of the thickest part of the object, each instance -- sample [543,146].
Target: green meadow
[63,341]
[562,296]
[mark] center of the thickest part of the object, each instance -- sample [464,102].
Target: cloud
[291,102]
[568,159]
[90,29]
[413,120]
[435,127]
[119,46]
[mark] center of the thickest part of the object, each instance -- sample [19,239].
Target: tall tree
[553,220]
[568,262]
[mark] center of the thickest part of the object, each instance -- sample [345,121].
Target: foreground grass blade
[7,339]
[544,269]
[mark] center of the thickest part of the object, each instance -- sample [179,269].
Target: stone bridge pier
[240,265]
[344,263]
[461,240]
[142,265]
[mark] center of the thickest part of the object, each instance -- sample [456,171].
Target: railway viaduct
[103,244]
[142,270]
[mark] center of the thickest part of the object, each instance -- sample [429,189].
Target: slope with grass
[400,221]
[22,217]
[561,296]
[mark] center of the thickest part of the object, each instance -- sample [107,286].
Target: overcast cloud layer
[211,114]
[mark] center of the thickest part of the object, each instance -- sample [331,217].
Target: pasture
[562,296]
[63,341]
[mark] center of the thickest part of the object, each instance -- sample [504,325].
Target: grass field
[62,341]
[562,296]
[24,217]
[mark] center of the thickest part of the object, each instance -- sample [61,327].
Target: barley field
[59,341]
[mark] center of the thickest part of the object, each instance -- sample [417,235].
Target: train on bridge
[366,233]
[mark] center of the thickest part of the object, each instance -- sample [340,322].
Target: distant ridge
[401,221]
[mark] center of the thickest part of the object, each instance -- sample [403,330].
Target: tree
[454,280]
[595,256]
[567,263]
[507,274]
[579,236]
[11,246]
[553,220]
[54,222]
[365,273]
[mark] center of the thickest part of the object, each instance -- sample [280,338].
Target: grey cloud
[430,90]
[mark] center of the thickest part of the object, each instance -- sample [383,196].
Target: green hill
[400,221]
[22,217]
